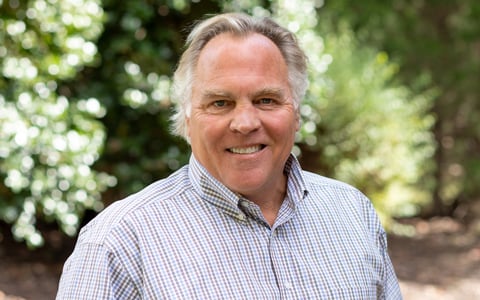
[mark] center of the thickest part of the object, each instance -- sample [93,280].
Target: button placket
[281,263]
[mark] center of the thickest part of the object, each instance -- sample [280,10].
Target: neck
[271,202]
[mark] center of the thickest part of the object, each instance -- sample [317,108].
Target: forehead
[250,49]
[240,58]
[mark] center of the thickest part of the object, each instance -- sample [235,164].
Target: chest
[220,258]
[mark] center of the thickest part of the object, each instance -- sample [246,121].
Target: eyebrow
[278,92]
[209,94]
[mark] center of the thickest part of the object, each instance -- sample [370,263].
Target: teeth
[246,150]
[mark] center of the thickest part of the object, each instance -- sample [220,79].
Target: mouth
[246,150]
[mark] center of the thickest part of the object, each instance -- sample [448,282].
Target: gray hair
[241,25]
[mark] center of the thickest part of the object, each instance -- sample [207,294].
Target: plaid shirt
[189,237]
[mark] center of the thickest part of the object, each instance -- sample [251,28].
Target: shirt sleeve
[391,289]
[94,272]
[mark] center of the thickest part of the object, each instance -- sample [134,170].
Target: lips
[246,150]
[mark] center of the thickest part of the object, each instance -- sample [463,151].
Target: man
[242,220]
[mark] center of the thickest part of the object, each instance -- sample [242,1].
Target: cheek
[291,122]
[205,129]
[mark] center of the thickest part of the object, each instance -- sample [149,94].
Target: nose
[245,119]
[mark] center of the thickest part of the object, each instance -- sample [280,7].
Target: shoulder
[341,205]
[112,217]
[325,184]
[336,196]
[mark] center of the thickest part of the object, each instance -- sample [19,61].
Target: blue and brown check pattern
[189,237]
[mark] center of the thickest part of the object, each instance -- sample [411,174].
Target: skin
[243,121]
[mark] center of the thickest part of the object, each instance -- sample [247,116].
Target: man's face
[243,122]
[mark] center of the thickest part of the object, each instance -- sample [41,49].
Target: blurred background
[393,109]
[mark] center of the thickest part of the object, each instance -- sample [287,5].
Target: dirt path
[441,262]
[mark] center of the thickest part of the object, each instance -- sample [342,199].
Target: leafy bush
[364,129]
[48,140]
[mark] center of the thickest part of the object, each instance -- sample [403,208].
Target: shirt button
[288,285]
[241,217]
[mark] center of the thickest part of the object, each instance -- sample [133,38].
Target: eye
[220,103]
[266,101]
[219,106]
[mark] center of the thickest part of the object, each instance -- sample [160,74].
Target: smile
[246,150]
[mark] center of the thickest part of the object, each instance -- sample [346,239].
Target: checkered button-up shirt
[189,237]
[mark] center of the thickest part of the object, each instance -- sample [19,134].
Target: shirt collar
[213,191]
[296,187]
[220,196]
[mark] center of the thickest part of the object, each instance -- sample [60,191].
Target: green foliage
[368,131]
[436,45]
[48,141]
